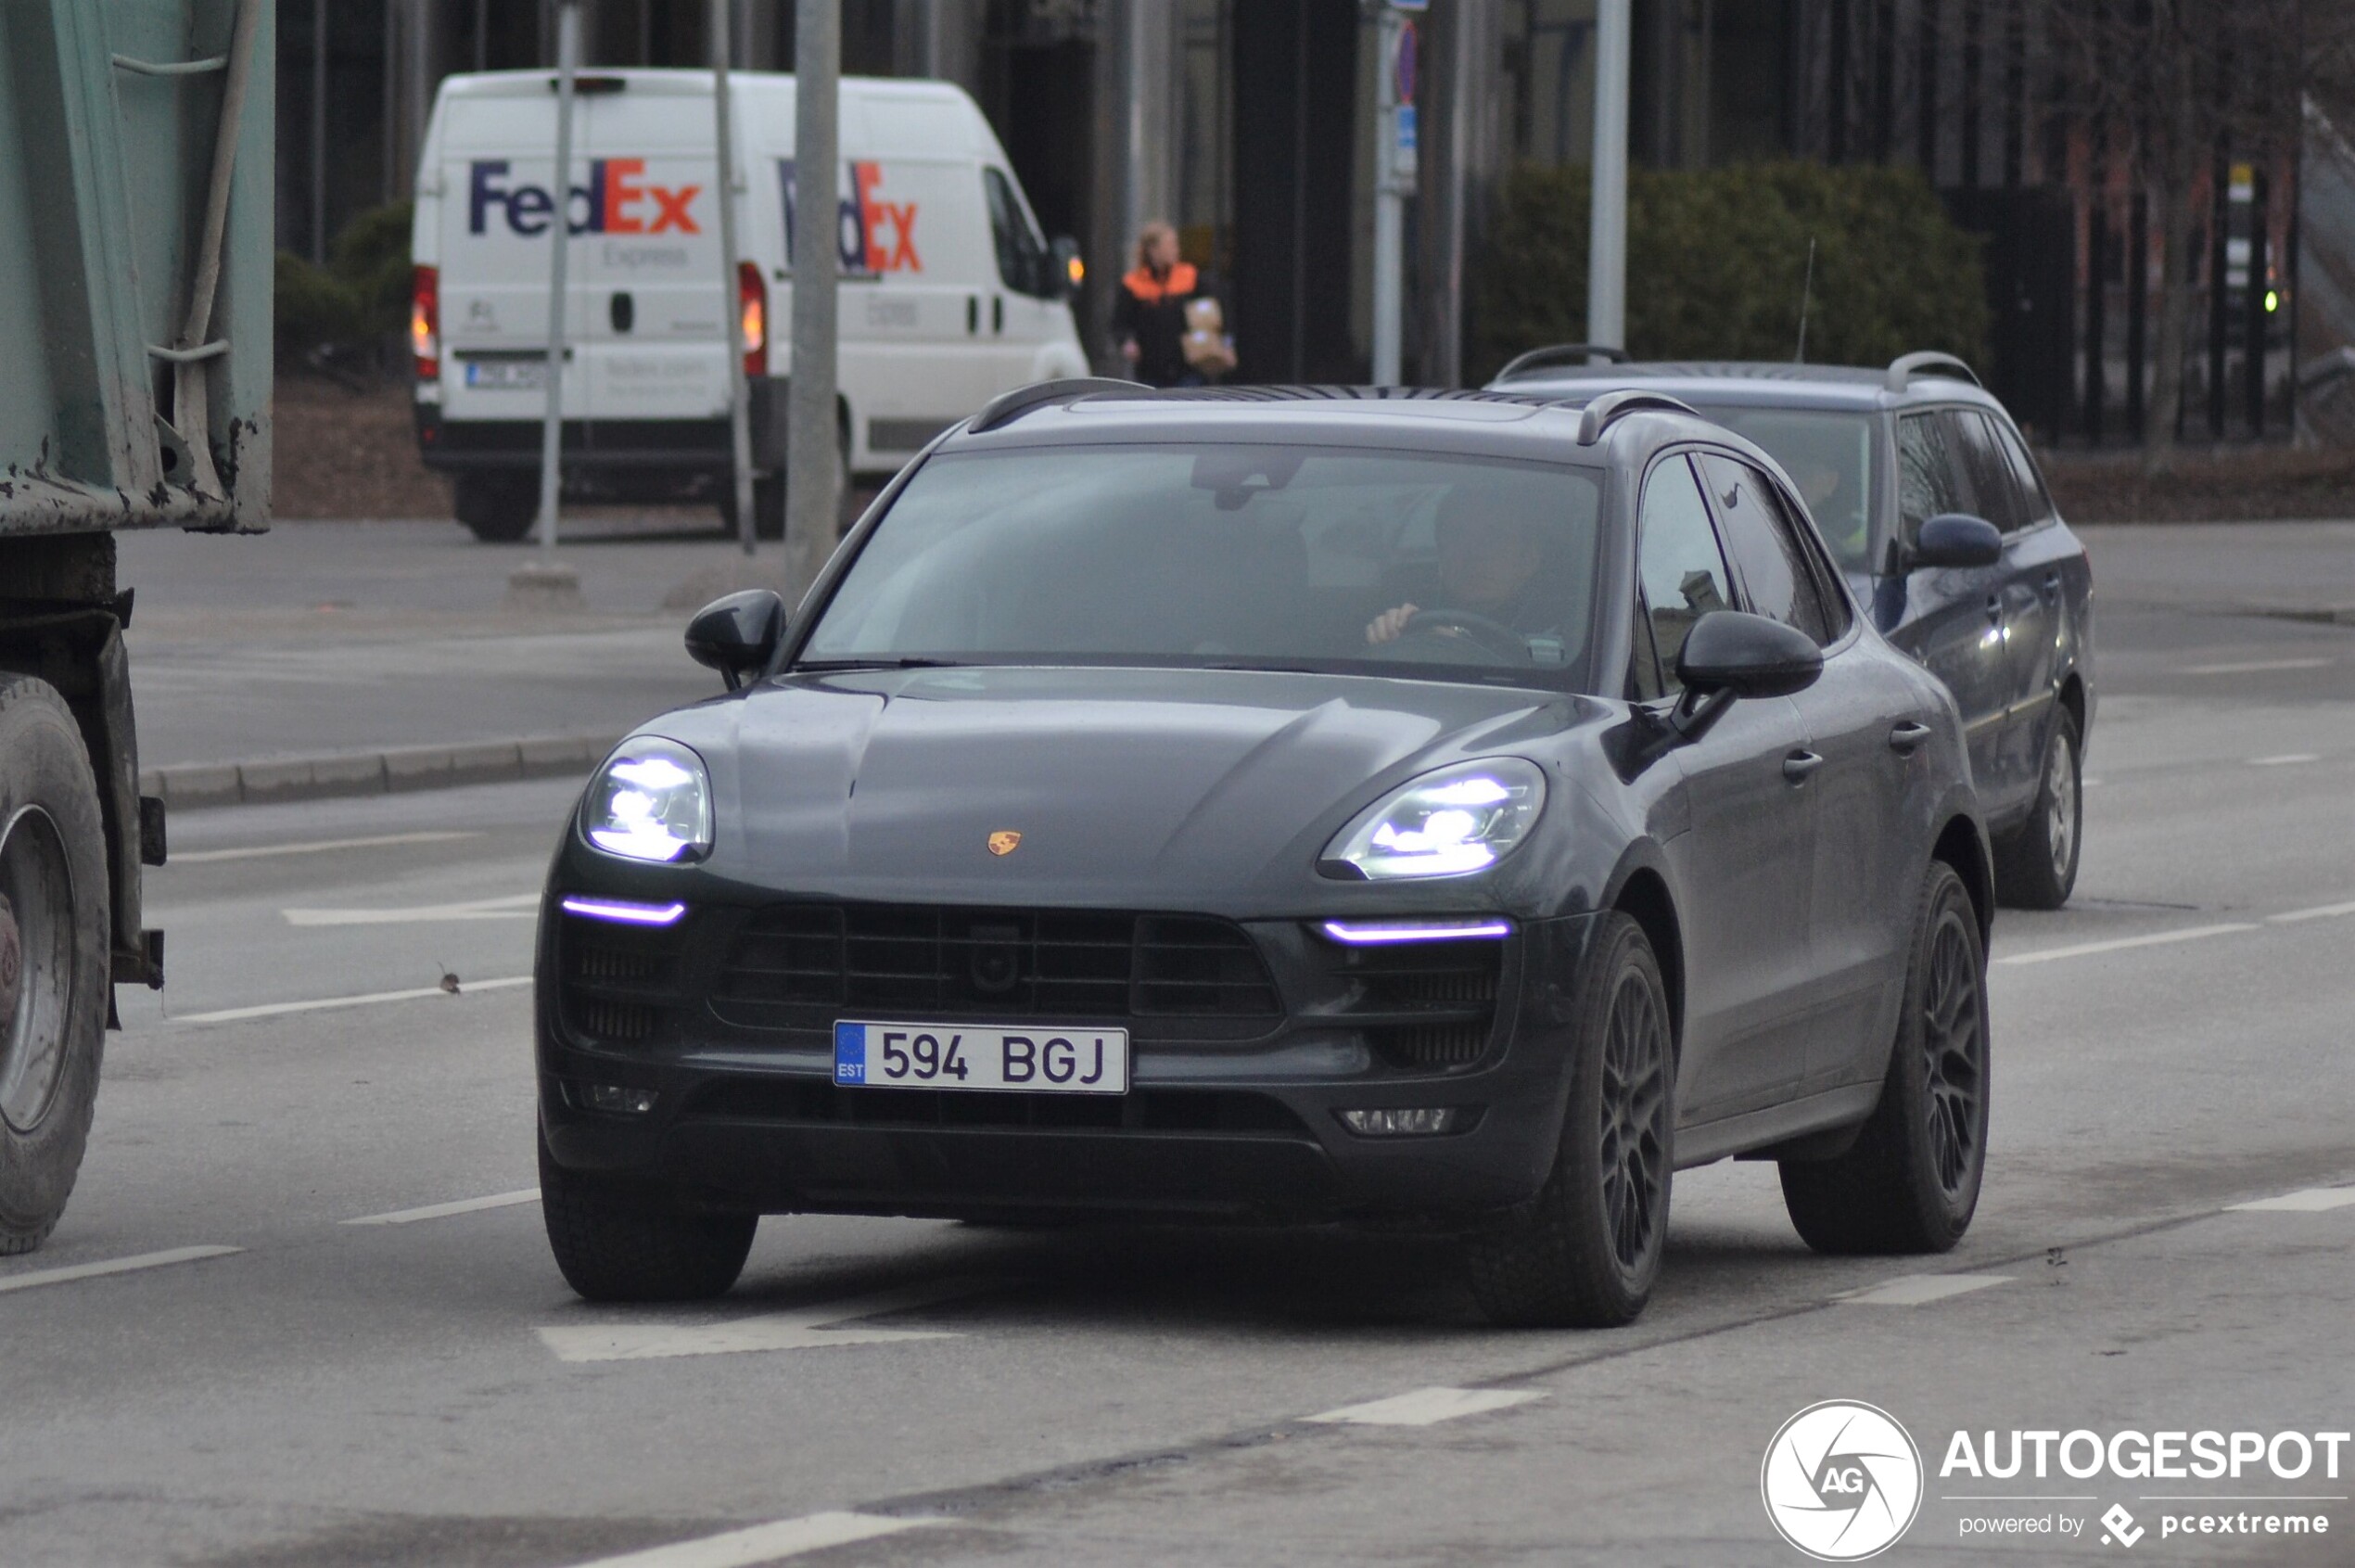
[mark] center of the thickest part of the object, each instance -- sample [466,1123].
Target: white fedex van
[950,295]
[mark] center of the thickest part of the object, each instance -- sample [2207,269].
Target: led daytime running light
[620,912]
[1379,933]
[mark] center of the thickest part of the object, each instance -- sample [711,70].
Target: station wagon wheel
[1585,1250]
[2036,864]
[1909,1183]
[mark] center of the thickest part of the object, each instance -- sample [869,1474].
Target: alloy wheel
[2061,806]
[36,965]
[1954,1042]
[1634,1153]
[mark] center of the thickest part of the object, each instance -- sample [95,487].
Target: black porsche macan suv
[1284,805]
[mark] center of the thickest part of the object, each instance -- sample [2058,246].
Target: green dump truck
[136,262]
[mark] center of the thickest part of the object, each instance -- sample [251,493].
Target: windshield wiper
[834,666]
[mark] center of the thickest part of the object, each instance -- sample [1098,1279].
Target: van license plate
[507,376]
[1053,1059]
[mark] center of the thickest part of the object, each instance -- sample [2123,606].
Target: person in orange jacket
[1148,311]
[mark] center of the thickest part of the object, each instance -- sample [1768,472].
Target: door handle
[1995,609]
[2052,585]
[972,313]
[1906,738]
[1799,764]
[998,312]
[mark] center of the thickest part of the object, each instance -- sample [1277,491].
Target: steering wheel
[1490,636]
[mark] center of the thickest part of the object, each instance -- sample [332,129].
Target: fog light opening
[1420,1122]
[616,1099]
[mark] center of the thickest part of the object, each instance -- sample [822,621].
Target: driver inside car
[1489,561]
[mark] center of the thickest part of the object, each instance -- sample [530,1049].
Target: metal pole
[559,246]
[1393,177]
[1607,231]
[813,472]
[730,306]
[319,132]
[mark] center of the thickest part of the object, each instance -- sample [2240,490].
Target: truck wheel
[1909,1182]
[2036,866]
[618,1245]
[1585,1252]
[498,508]
[53,957]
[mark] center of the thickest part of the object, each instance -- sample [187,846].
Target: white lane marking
[803,1329]
[2284,760]
[2320,911]
[275,1009]
[2090,783]
[319,846]
[2309,1200]
[2119,944]
[767,1543]
[1426,1406]
[39,1277]
[443,1211]
[1920,1290]
[2256,667]
[520,906]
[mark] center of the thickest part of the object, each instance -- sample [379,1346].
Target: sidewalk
[325,659]
[2296,571]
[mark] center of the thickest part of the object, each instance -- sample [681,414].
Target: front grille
[815,1100]
[618,984]
[1426,1004]
[796,966]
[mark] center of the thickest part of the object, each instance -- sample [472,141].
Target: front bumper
[1237,1129]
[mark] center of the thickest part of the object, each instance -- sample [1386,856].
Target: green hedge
[355,302]
[1715,261]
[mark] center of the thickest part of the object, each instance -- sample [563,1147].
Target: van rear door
[653,343]
[498,156]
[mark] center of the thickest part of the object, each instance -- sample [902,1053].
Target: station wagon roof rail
[1614,405]
[1560,353]
[1930,362]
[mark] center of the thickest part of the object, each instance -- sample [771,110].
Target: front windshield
[1829,458]
[1227,556]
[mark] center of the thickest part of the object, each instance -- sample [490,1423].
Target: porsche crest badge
[1005,841]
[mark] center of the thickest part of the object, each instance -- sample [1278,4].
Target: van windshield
[1228,556]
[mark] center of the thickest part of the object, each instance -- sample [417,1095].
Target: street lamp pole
[1606,230]
[813,476]
[730,262]
[559,247]
[1395,171]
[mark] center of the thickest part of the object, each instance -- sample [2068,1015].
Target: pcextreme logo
[616,201]
[1842,1481]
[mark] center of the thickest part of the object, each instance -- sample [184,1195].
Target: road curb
[189,787]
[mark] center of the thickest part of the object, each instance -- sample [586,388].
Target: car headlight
[1448,824]
[651,801]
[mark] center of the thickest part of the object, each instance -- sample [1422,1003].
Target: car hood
[891,784]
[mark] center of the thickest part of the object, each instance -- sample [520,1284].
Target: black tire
[1909,1182]
[1585,1253]
[2036,863]
[55,957]
[618,1245]
[497,508]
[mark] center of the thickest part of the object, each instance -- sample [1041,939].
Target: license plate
[1055,1060]
[505,376]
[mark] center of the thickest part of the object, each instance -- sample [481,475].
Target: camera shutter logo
[1842,1481]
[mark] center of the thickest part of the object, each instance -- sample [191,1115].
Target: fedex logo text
[873,234]
[616,201]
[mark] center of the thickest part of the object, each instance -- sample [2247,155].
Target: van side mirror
[738,635]
[1954,539]
[1069,271]
[1747,655]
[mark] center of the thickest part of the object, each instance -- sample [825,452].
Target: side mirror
[1956,538]
[1747,655]
[738,635]
[1068,270]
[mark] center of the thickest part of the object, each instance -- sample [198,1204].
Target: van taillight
[425,322]
[752,299]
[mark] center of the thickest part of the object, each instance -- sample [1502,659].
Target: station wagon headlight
[651,801]
[1452,822]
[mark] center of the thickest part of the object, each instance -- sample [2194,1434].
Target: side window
[1023,262]
[2037,500]
[1930,476]
[1828,590]
[1774,564]
[1990,472]
[1679,564]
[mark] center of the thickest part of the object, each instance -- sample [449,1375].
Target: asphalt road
[428,1390]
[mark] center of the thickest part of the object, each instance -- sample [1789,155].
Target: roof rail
[1613,406]
[1007,407]
[1558,353]
[1930,362]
